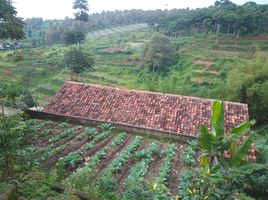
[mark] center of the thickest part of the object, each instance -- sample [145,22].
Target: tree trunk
[3,109]
[217,33]
[228,29]
[237,37]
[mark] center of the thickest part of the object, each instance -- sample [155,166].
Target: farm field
[99,157]
[200,70]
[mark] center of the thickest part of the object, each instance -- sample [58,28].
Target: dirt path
[114,153]
[91,152]
[33,136]
[43,141]
[154,168]
[124,172]
[173,181]
[10,111]
[65,140]
[72,146]
[206,63]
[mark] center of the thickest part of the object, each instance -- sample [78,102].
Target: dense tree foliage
[82,7]
[74,37]
[78,61]
[251,87]
[10,25]
[159,54]
[224,15]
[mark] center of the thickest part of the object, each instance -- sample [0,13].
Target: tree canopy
[229,17]
[74,37]
[10,25]
[82,7]
[159,54]
[78,61]
[251,87]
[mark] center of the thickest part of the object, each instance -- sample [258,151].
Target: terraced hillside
[119,29]
[101,156]
[201,70]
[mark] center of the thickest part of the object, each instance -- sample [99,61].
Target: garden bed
[103,150]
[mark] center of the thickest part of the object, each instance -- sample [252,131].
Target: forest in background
[223,17]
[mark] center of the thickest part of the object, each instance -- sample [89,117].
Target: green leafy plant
[98,138]
[91,132]
[123,157]
[63,125]
[135,180]
[12,130]
[189,156]
[213,144]
[167,163]
[220,176]
[106,127]
[69,160]
[63,134]
[46,132]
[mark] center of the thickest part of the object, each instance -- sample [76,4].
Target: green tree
[9,93]
[74,37]
[251,88]
[159,54]
[12,131]
[10,25]
[78,61]
[83,8]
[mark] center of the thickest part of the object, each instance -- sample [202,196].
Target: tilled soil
[124,172]
[173,181]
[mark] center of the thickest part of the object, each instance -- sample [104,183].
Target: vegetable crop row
[167,164]
[63,134]
[124,156]
[92,162]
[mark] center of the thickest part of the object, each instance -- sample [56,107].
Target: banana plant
[214,143]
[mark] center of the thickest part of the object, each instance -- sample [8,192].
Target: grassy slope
[124,67]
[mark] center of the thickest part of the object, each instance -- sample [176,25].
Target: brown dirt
[68,138]
[113,49]
[203,62]
[73,146]
[39,141]
[200,81]
[122,175]
[91,152]
[155,165]
[216,73]
[6,72]
[248,37]
[44,141]
[114,153]
[173,181]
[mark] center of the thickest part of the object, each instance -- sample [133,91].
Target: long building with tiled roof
[164,112]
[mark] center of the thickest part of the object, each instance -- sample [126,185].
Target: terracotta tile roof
[174,113]
[166,112]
